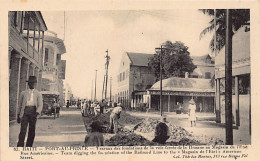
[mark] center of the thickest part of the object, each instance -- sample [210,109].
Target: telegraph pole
[92,90]
[95,98]
[133,94]
[161,51]
[107,63]
[228,79]
[103,87]
[110,89]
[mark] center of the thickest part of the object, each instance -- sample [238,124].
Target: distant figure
[96,107]
[200,107]
[114,116]
[161,132]
[29,110]
[102,105]
[58,108]
[192,114]
[68,104]
[95,138]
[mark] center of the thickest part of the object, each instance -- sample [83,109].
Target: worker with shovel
[115,115]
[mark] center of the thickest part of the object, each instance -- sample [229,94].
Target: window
[58,59]
[46,56]
[207,75]
[120,79]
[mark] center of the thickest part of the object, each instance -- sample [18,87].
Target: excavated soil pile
[178,135]
[127,138]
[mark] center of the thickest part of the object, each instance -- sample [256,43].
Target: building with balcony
[53,71]
[26,40]
[241,72]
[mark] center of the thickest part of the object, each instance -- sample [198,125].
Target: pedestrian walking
[114,116]
[29,110]
[58,108]
[192,114]
[95,138]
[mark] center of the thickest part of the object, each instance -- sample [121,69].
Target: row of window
[47,58]
[122,76]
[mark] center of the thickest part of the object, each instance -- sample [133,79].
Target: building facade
[133,76]
[25,53]
[205,67]
[241,72]
[53,72]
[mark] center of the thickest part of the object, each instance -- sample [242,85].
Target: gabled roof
[139,59]
[201,60]
[184,84]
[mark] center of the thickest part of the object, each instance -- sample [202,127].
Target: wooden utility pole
[161,52]
[92,90]
[107,63]
[103,87]
[95,98]
[228,79]
[110,89]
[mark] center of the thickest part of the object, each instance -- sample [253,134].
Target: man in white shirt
[114,116]
[29,109]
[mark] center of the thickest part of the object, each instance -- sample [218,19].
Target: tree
[240,18]
[176,60]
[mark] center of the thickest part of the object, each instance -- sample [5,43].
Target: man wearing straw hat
[29,109]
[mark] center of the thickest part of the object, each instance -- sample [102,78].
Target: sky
[88,34]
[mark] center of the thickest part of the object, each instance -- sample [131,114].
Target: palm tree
[240,18]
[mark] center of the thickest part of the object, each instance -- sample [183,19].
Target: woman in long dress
[192,114]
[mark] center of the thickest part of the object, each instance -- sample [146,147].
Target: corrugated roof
[184,84]
[139,59]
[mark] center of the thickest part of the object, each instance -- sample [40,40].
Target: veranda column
[218,119]
[169,103]
[24,74]
[14,84]
[36,73]
[237,101]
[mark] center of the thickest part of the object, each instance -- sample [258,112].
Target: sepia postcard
[129,80]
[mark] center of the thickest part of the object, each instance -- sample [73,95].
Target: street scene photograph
[179,77]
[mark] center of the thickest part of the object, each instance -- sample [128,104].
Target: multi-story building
[241,73]
[133,76]
[53,72]
[25,52]
[205,67]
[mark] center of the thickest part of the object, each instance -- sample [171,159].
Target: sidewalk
[68,130]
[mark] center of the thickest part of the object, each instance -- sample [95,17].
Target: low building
[179,91]
[25,53]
